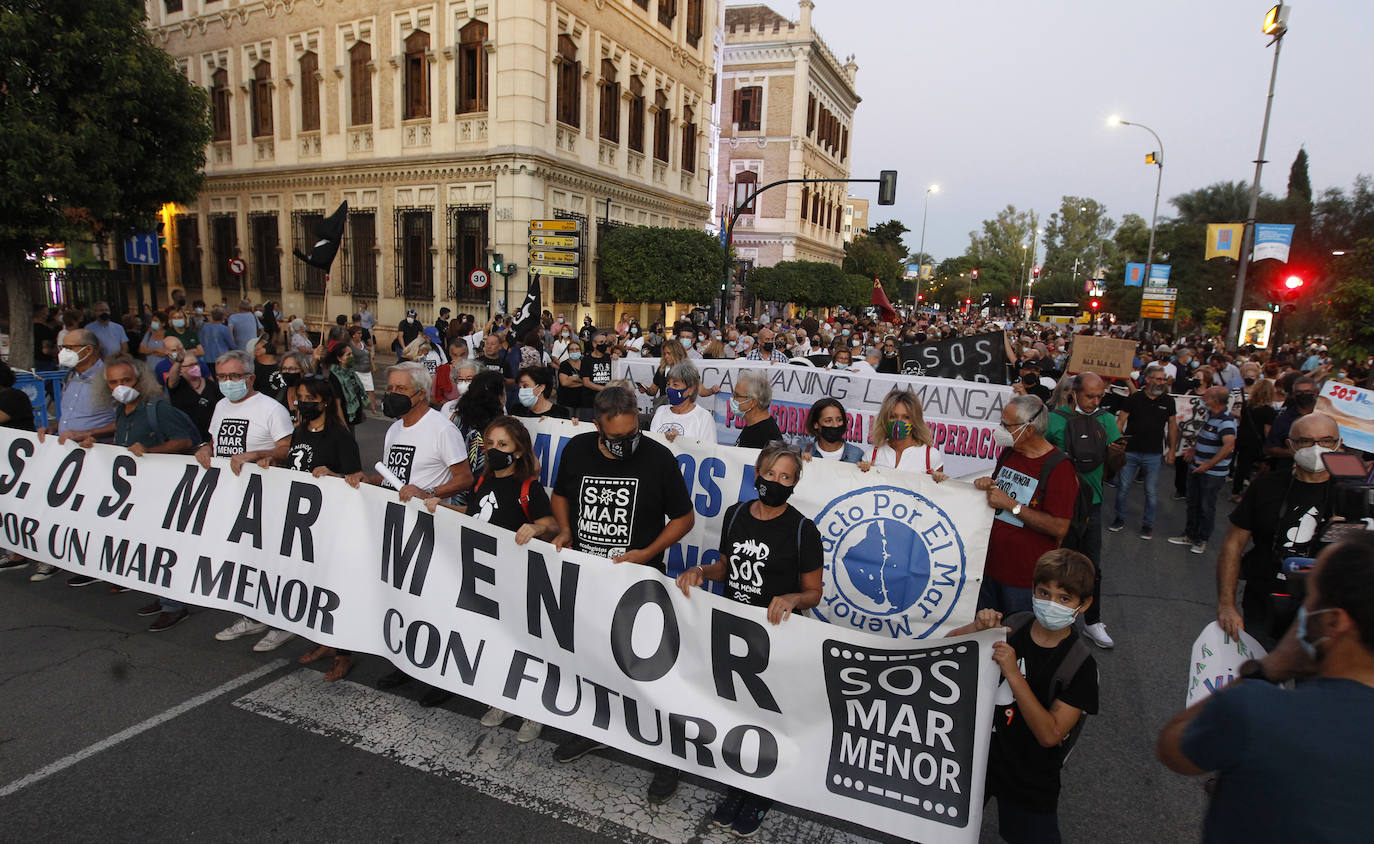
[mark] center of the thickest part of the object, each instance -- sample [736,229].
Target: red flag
[885,311]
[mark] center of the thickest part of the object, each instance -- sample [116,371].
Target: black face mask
[767,347]
[772,493]
[601,348]
[498,459]
[290,379]
[1029,379]
[1249,382]
[309,409]
[621,448]
[1305,401]
[920,338]
[103,317]
[396,405]
[832,433]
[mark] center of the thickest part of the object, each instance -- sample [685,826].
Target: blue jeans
[1202,505]
[1148,467]
[1005,599]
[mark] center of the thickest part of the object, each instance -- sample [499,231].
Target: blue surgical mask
[234,390]
[574,355]
[686,342]
[1052,615]
[527,396]
[734,406]
[1308,646]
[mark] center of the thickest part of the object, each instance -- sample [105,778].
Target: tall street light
[920,255]
[1157,159]
[1275,24]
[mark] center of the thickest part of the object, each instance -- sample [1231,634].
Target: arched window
[637,106]
[806,198]
[662,121]
[610,101]
[219,103]
[416,76]
[260,93]
[310,92]
[689,142]
[360,84]
[746,182]
[569,82]
[472,68]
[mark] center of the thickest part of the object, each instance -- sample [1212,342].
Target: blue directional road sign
[141,249]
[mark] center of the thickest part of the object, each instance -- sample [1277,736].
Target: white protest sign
[1216,658]
[903,554]
[892,735]
[1353,410]
[961,414]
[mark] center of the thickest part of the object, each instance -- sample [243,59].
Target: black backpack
[1063,675]
[1085,440]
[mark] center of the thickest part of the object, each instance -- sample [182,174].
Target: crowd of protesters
[1073,447]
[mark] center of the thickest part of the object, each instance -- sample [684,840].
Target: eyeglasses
[232,376]
[1324,442]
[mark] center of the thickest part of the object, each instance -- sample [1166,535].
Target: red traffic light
[1293,282]
[968,301]
[1094,304]
[1035,271]
[1014,300]
[975,273]
[920,297]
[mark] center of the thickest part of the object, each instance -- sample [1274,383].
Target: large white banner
[961,414]
[903,554]
[892,735]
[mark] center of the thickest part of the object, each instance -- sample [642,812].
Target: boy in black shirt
[1049,681]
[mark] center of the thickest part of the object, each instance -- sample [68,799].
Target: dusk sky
[1002,102]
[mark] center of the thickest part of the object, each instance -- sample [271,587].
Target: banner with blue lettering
[961,414]
[1272,240]
[891,734]
[903,554]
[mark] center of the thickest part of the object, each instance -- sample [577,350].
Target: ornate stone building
[787,112]
[448,126]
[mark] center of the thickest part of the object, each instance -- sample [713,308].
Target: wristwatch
[1016,511]
[1252,669]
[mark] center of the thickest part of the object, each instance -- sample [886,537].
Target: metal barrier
[37,386]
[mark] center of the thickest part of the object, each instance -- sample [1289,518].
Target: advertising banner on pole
[1272,240]
[889,734]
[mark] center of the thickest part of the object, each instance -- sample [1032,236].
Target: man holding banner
[614,491]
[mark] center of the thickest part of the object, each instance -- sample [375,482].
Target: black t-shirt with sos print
[766,558]
[334,448]
[620,505]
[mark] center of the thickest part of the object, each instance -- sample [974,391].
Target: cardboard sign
[1103,355]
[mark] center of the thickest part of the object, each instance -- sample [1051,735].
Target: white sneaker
[1097,634]
[273,640]
[1199,548]
[495,717]
[529,731]
[43,572]
[245,626]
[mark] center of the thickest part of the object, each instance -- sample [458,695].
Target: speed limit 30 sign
[479,279]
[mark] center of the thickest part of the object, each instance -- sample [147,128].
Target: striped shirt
[1209,441]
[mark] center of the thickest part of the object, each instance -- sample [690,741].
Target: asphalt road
[110,733]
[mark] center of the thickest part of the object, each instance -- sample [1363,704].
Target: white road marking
[596,793]
[126,734]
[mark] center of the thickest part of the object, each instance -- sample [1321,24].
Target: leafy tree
[653,264]
[101,129]
[1077,242]
[805,283]
[1001,252]
[889,234]
[1351,315]
[871,256]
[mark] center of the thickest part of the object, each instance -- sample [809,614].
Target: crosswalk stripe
[596,793]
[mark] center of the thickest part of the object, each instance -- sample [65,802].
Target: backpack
[1085,440]
[524,493]
[1064,673]
[1082,501]
[177,412]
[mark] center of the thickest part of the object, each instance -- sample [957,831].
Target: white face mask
[1310,458]
[463,386]
[1002,437]
[124,394]
[68,358]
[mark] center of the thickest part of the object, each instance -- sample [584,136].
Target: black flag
[328,234]
[527,318]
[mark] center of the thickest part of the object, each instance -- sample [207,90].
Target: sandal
[342,665]
[313,656]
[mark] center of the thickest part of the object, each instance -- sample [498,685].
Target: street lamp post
[1159,180]
[1275,24]
[920,255]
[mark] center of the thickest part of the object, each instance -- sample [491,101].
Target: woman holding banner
[682,416]
[827,424]
[902,440]
[508,494]
[770,556]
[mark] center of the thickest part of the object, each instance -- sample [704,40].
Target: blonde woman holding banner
[902,440]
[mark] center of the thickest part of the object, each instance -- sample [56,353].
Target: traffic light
[498,263]
[887,187]
[1289,292]
[1095,304]
[1035,272]
[975,273]
[1014,300]
[920,297]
